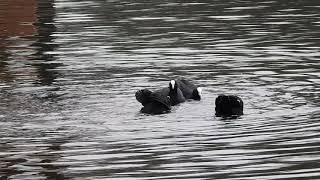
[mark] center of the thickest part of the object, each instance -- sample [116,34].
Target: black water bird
[153,102]
[228,106]
[160,101]
[189,89]
[175,93]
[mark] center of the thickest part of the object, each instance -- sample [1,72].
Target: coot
[228,106]
[153,102]
[175,93]
[189,90]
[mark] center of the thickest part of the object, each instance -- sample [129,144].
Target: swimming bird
[189,90]
[153,102]
[228,106]
[160,101]
[175,93]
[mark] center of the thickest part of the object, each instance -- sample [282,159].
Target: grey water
[69,70]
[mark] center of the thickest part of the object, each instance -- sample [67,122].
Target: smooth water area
[69,70]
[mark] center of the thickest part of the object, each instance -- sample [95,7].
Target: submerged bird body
[228,106]
[153,102]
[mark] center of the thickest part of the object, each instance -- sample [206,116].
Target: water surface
[69,71]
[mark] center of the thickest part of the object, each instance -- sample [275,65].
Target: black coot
[228,106]
[189,90]
[143,96]
[153,102]
[160,101]
[175,93]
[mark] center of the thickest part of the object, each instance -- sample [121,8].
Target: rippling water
[69,71]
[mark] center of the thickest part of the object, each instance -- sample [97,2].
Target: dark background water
[69,71]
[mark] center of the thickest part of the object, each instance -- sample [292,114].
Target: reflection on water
[17,18]
[69,71]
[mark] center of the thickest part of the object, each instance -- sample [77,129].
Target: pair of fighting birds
[180,90]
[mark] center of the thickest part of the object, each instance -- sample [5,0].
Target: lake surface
[69,70]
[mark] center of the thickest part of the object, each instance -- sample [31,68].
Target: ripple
[153,18]
[74,4]
[68,108]
[231,18]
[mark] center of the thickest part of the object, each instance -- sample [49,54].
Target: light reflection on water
[67,84]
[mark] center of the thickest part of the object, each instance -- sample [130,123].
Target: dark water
[69,71]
